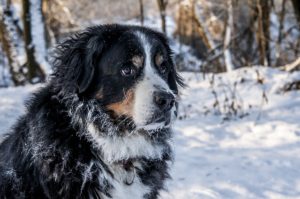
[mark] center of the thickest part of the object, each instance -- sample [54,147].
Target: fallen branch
[292,66]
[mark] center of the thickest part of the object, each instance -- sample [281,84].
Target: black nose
[163,100]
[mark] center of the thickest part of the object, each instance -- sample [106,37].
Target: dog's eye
[128,71]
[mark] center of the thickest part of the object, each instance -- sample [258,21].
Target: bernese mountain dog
[101,126]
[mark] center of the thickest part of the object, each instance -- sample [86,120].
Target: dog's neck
[97,127]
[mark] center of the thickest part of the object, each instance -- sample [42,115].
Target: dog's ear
[93,50]
[75,60]
[175,80]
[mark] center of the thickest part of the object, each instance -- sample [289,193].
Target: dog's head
[127,69]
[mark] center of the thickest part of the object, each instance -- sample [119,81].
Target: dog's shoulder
[42,154]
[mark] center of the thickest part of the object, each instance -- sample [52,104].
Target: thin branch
[292,66]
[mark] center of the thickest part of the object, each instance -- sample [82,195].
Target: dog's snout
[163,100]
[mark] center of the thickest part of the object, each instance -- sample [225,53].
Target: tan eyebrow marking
[137,60]
[159,59]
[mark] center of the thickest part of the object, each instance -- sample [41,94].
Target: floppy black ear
[93,50]
[74,61]
[175,80]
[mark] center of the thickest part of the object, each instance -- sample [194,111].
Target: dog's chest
[127,183]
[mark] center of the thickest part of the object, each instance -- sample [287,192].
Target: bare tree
[280,31]
[141,12]
[296,5]
[10,37]
[229,26]
[34,37]
[162,5]
[201,30]
[57,17]
[191,30]
[263,31]
[292,66]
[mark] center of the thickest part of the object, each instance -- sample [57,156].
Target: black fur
[49,152]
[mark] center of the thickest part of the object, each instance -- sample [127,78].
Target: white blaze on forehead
[143,105]
[150,72]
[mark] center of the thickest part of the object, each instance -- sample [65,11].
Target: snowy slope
[253,157]
[251,154]
[12,105]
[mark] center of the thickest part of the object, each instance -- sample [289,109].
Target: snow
[251,157]
[12,105]
[251,154]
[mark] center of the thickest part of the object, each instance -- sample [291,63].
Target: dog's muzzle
[164,103]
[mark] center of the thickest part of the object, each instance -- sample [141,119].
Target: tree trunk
[192,31]
[207,40]
[53,23]
[250,51]
[31,62]
[141,12]
[34,36]
[229,25]
[263,31]
[11,43]
[280,31]
[162,5]
[296,5]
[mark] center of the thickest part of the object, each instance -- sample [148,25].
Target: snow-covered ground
[253,157]
[252,153]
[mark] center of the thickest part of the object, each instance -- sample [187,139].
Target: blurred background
[208,36]
[238,131]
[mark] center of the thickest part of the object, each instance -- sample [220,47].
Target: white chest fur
[115,149]
[132,146]
[135,189]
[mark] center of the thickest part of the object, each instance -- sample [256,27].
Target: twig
[292,66]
